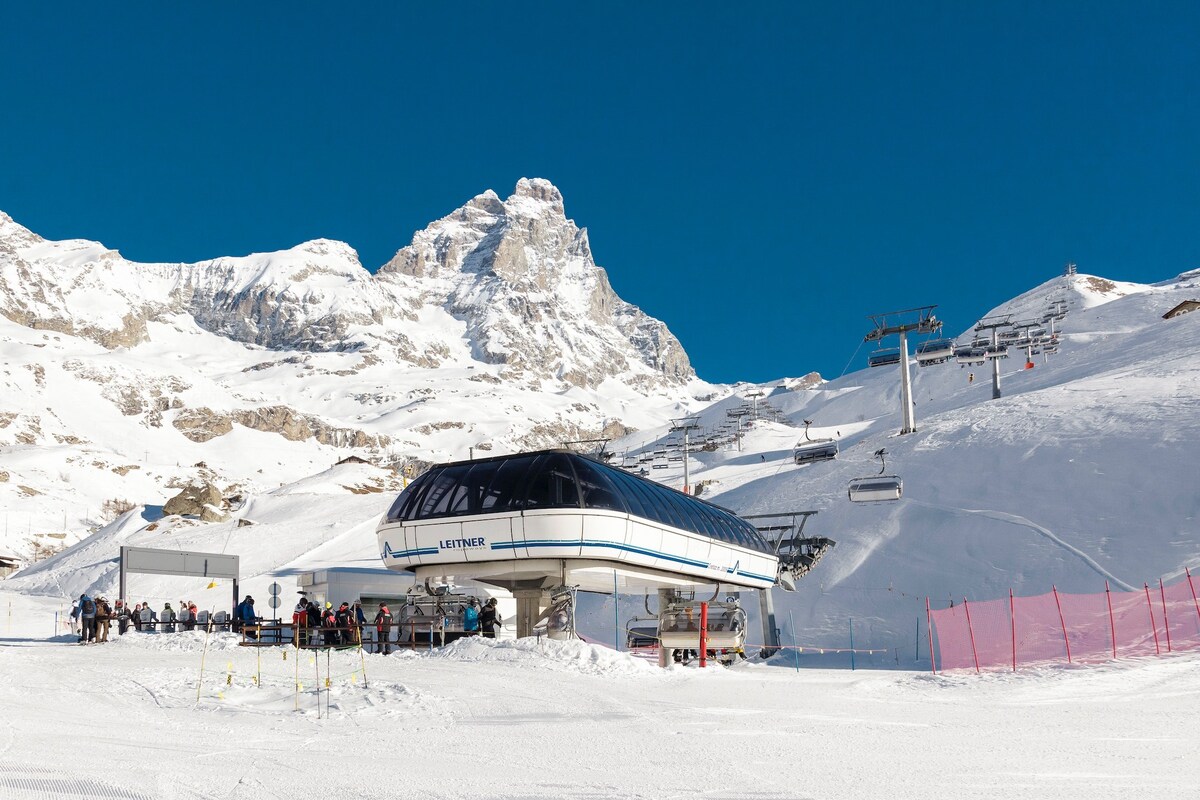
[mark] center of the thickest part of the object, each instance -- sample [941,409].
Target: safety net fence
[1069,628]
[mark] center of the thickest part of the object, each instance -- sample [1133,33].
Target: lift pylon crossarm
[919,319]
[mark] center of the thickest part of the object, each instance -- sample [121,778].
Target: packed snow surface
[529,719]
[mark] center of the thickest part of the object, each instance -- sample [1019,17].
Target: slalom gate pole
[297,660]
[795,646]
[1063,622]
[852,644]
[258,677]
[56,623]
[328,679]
[1153,627]
[1112,624]
[929,628]
[203,654]
[317,672]
[703,635]
[1192,586]
[1166,623]
[362,661]
[917,642]
[1012,615]
[971,630]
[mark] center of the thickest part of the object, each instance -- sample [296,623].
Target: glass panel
[708,520]
[476,483]
[506,483]
[597,490]
[665,510]
[681,505]
[553,485]
[627,486]
[443,491]
[417,490]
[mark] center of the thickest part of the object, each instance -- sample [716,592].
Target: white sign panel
[178,562]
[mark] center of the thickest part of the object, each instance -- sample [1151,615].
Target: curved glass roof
[560,479]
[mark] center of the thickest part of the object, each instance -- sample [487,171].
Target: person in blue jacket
[87,615]
[244,614]
[471,618]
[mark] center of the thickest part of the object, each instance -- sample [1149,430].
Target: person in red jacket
[383,629]
[300,622]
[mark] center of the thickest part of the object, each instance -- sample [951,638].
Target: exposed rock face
[203,424]
[517,273]
[202,501]
[521,276]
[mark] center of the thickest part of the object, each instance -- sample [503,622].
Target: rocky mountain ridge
[511,282]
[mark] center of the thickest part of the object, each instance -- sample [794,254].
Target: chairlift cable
[851,361]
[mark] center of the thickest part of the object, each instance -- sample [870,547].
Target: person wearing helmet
[329,625]
[470,619]
[489,618]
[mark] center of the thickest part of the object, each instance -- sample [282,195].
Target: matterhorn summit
[521,275]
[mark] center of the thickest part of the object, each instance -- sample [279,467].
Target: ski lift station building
[533,522]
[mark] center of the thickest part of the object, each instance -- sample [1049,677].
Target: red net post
[1012,615]
[1166,620]
[1192,586]
[971,630]
[1111,621]
[1063,622]
[1153,627]
[703,635]
[929,627]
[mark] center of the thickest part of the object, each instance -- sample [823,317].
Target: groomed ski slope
[545,720]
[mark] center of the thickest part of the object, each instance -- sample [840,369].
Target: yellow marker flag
[354,677]
[212,585]
[220,695]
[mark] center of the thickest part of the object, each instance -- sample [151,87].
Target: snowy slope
[530,719]
[1083,471]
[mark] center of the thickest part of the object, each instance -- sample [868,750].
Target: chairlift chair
[884,358]
[811,450]
[969,354]
[876,488]
[995,351]
[935,352]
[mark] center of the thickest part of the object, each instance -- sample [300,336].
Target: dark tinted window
[444,489]
[507,481]
[627,486]
[597,490]
[552,484]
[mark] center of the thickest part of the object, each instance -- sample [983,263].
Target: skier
[489,618]
[103,615]
[360,619]
[87,616]
[300,622]
[245,618]
[342,617]
[148,617]
[383,629]
[123,617]
[167,617]
[470,619]
[329,624]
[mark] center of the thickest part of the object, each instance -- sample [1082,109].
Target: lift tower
[994,324]
[920,320]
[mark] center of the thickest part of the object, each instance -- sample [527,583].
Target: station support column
[664,599]
[766,605]
[530,605]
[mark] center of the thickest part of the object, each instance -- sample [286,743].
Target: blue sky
[760,178]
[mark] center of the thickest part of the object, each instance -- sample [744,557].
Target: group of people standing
[332,627]
[92,618]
